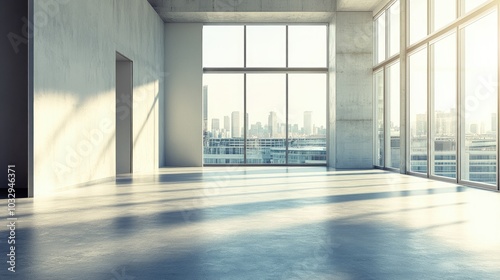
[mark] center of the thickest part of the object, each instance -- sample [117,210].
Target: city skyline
[272,126]
[266,93]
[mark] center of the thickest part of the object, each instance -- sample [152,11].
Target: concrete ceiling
[257,10]
[245,17]
[358,5]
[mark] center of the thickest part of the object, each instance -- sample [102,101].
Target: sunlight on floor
[194,222]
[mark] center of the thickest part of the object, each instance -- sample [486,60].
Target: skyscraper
[227,125]
[215,124]
[235,124]
[308,123]
[272,124]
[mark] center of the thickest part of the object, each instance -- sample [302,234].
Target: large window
[223,118]
[223,46]
[306,46]
[444,92]
[418,20]
[387,33]
[379,118]
[264,94]
[443,12]
[266,105]
[306,118]
[266,46]
[449,87]
[393,132]
[418,110]
[387,88]
[380,34]
[480,94]
[394,29]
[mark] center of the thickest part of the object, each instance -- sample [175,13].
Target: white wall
[74,88]
[183,94]
[351,89]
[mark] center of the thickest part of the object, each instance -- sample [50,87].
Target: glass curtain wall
[394,29]
[386,80]
[417,13]
[306,118]
[393,131]
[451,82]
[264,94]
[417,89]
[444,107]
[380,34]
[266,118]
[223,118]
[443,12]
[379,117]
[479,87]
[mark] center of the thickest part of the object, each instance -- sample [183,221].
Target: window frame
[273,70]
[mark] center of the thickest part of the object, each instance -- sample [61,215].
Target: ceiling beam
[244,11]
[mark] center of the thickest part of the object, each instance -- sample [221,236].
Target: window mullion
[245,95]
[286,98]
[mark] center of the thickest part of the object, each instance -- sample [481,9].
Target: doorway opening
[124,113]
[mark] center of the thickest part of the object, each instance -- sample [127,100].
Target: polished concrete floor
[259,223]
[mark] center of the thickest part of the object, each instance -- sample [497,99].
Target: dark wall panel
[14,98]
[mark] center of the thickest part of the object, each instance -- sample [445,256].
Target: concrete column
[183,94]
[351,131]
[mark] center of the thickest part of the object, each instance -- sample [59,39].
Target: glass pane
[393,91]
[444,90]
[379,111]
[266,118]
[266,46]
[380,39]
[470,5]
[480,87]
[444,12]
[418,20]
[418,111]
[394,26]
[307,119]
[307,46]
[222,118]
[223,46]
